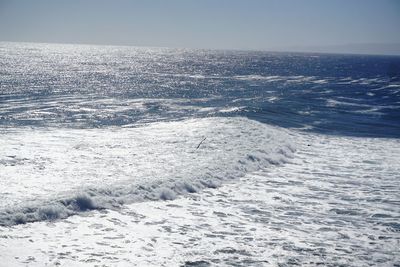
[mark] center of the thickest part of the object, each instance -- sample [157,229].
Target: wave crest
[68,171]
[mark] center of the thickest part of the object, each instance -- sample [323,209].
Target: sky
[371,26]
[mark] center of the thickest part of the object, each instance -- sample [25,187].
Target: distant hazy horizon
[356,49]
[360,27]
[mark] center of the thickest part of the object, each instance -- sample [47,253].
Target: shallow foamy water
[55,173]
[335,203]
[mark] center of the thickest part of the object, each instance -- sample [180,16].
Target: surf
[54,173]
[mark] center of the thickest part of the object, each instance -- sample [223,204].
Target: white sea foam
[231,109]
[52,173]
[286,79]
[253,77]
[336,203]
[334,103]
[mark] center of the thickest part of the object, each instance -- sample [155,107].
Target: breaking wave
[54,173]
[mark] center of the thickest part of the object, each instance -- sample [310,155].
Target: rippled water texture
[175,157]
[95,86]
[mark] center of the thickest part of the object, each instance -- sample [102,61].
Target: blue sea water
[93,86]
[292,156]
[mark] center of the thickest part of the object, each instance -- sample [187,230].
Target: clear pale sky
[332,25]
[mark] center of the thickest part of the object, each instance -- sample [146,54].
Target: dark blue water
[78,86]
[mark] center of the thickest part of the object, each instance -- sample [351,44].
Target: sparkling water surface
[127,156]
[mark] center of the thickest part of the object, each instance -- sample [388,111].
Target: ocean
[136,156]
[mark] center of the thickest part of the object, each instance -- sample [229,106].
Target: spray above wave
[48,174]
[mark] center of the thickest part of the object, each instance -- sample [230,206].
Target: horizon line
[301,50]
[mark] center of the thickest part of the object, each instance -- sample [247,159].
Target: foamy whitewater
[125,156]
